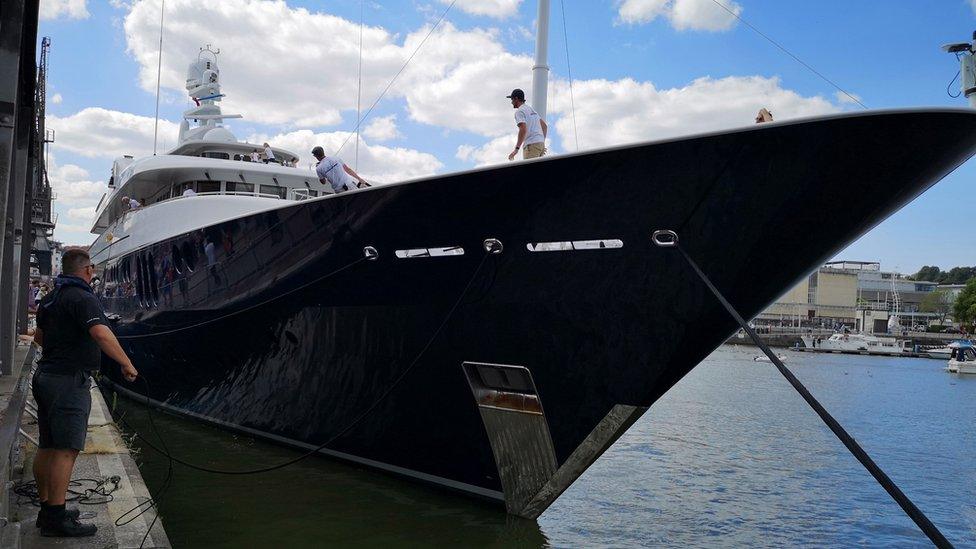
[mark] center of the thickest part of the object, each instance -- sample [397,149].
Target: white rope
[569,69]
[397,75]
[359,92]
[159,70]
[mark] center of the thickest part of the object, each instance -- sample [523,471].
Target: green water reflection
[316,502]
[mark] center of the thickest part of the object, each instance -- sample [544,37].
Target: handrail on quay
[9,429]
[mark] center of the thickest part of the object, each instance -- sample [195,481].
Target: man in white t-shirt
[269,154]
[336,173]
[532,129]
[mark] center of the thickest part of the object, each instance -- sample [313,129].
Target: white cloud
[70,9]
[101,133]
[269,80]
[495,151]
[377,163]
[702,15]
[77,195]
[383,128]
[972,4]
[56,99]
[492,8]
[624,111]
[850,98]
[265,76]
[86,214]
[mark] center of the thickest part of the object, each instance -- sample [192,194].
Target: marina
[655,339]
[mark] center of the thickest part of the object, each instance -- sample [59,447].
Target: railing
[9,429]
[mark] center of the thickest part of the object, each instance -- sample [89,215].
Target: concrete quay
[105,457]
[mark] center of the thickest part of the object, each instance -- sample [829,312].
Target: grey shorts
[63,405]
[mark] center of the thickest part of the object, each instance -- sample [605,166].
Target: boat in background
[963,358]
[853,343]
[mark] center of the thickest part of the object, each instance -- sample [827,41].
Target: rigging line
[393,385]
[569,69]
[159,70]
[788,52]
[359,89]
[913,512]
[397,75]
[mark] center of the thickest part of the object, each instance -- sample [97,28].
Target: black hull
[292,336]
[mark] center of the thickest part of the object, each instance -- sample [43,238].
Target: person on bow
[532,129]
[335,172]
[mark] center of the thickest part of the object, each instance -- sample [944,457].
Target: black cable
[949,85]
[100,493]
[923,522]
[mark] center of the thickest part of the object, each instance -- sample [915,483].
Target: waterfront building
[856,294]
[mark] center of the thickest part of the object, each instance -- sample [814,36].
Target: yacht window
[177,259]
[153,282]
[271,189]
[220,155]
[189,256]
[208,187]
[236,187]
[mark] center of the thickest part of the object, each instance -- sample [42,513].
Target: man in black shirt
[73,332]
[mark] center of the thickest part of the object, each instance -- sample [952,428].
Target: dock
[105,457]
[903,354]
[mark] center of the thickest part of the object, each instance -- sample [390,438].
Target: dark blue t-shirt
[68,347]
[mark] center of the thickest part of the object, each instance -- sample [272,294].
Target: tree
[928,273]
[958,275]
[938,301]
[965,308]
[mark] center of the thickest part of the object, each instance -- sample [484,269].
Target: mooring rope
[669,239]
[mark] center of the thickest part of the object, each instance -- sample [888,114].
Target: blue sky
[655,68]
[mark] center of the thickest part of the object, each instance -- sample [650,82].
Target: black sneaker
[66,528]
[70,512]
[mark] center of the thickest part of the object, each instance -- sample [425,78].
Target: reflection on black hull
[274,323]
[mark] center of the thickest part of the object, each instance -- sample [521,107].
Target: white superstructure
[207,178]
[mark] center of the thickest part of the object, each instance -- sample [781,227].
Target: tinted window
[240,187]
[271,189]
[189,255]
[208,186]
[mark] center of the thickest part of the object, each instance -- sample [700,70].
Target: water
[731,456]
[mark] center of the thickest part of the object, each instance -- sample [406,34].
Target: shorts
[63,405]
[533,150]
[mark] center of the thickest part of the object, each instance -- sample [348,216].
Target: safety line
[397,75]
[788,52]
[923,522]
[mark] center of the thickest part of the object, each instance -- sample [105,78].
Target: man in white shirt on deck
[532,128]
[334,171]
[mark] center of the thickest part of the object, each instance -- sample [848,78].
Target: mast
[540,72]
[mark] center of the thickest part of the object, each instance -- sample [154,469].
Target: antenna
[159,70]
[964,53]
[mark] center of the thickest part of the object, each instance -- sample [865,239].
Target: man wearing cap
[334,171]
[532,128]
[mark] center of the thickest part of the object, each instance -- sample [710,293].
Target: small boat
[853,343]
[764,358]
[963,358]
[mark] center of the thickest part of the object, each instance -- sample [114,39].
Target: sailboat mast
[540,72]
